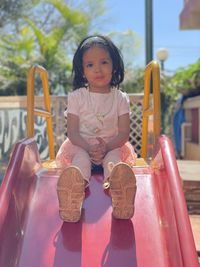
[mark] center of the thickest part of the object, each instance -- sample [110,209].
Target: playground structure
[32,234]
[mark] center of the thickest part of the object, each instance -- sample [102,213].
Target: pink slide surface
[33,235]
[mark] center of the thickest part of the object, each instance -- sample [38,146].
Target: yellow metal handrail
[152,70]
[42,113]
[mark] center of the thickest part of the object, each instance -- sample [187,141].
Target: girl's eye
[105,62]
[89,65]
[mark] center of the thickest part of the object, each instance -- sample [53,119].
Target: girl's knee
[112,156]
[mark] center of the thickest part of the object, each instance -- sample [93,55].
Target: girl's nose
[97,68]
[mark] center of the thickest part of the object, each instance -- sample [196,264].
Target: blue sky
[183,46]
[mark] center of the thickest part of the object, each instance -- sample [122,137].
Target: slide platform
[32,233]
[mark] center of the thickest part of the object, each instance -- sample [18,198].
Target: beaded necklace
[100,116]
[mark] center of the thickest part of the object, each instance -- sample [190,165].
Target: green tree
[134,80]
[186,81]
[15,58]
[48,40]
[129,43]
[11,10]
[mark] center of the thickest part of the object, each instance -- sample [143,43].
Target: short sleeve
[123,103]
[72,104]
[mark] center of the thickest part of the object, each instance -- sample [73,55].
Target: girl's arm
[123,133]
[73,132]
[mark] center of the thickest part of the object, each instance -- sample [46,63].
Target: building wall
[191,142]
[190,15]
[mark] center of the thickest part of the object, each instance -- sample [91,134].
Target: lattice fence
[13,123]
[136,102]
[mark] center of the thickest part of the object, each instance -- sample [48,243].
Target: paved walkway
[189,169]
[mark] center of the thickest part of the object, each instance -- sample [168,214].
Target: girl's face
[97,69]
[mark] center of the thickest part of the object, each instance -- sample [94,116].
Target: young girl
[98,126]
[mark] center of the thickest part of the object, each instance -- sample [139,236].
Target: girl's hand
[102,145]
[97,152]
[93,149]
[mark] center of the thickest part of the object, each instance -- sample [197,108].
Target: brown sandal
[122,189]
[71,193]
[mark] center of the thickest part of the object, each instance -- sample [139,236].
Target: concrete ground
[189,169]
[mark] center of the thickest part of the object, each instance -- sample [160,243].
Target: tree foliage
[186,80]
[48,38]
[184,83]
[129,43]
[47,32]
[11,10]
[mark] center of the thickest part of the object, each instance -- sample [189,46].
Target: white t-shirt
[98,113]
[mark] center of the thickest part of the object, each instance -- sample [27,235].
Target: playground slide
[32,234]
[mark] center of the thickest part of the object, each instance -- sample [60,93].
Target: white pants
[70,154]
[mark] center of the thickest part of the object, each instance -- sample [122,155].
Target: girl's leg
[69,154]
[71,193]
[122,182]
[109,161]
[122,190]
[71,186]
[82,161]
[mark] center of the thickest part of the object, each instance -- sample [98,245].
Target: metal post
[162,65]
[149,30]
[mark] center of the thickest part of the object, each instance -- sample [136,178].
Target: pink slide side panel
[166,160]
[15,193]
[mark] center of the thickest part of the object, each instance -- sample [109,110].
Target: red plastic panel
[187,244]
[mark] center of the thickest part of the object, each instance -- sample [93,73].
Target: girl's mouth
[99,78]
